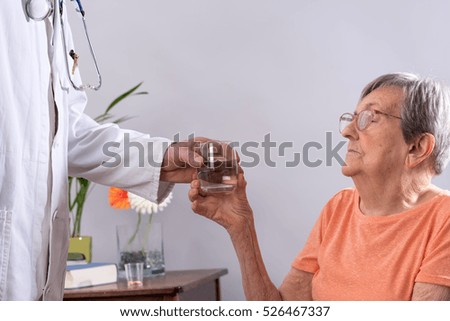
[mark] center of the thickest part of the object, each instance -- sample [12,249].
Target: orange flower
[118,198]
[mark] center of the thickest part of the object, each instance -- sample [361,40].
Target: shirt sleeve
[435,267]
[306,260]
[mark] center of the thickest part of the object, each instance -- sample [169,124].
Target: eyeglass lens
[364,118]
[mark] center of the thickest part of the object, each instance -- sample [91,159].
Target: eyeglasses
[363,119]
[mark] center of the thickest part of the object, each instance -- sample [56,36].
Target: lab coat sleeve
[109,155]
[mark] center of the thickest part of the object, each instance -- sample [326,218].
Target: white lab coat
[37,100]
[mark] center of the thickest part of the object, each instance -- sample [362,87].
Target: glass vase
[141,243]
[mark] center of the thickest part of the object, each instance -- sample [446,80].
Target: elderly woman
[386,239]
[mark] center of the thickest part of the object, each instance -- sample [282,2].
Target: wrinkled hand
[230,210]
[181,161]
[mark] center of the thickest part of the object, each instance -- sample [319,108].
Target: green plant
[78,186]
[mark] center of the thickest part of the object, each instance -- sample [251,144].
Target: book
[90,274]
[72,262]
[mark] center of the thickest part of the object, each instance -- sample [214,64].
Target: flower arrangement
[79,187]
[121,199]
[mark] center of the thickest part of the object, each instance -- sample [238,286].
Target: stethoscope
[39,10]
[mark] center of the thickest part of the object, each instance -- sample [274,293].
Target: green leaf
[123,96]
[122,119]
[102,118]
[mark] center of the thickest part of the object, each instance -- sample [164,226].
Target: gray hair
[425,109]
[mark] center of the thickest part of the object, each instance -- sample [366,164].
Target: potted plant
[80,247]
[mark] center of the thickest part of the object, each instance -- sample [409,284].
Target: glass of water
[220,170]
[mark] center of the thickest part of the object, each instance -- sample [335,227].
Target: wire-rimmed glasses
[363,119]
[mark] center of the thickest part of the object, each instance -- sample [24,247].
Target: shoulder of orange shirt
[90,274]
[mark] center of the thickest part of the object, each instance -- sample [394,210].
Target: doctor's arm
[106,154]
[109,155]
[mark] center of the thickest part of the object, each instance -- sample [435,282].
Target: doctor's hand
[231,210]
[181,161]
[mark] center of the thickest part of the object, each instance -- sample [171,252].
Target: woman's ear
[420,150]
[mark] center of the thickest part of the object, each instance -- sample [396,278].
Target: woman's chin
[348,170]
[352,165]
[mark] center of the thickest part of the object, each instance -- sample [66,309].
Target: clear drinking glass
[135,274]
[220,170]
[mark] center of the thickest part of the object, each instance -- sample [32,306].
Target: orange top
[358,257]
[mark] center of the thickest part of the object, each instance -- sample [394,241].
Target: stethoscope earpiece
[39,10]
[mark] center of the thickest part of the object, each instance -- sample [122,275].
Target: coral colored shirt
[358,257]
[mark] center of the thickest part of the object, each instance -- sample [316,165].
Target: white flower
[143,206]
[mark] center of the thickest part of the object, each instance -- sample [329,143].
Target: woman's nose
[350,131]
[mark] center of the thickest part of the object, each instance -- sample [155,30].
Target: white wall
[237,70]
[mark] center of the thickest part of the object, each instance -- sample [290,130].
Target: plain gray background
[238,70]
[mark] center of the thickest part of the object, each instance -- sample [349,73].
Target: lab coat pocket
[5,245]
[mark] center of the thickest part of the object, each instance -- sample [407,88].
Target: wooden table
[189,285]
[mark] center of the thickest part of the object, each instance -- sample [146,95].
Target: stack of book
[89,274]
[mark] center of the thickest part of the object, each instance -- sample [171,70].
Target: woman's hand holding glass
[231,210]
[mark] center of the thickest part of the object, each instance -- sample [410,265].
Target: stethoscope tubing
[49,12]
